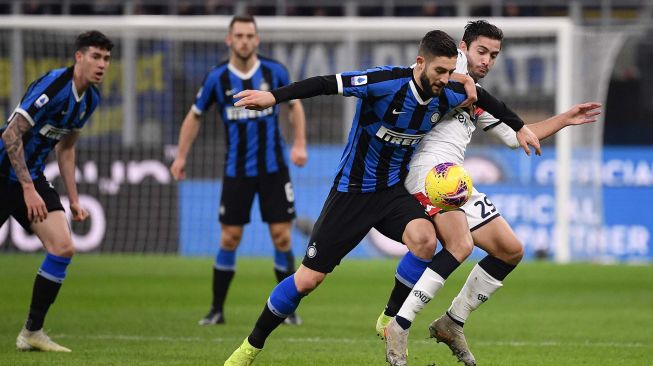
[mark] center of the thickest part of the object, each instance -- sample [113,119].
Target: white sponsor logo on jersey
[398,138]
[236,113]
[54,133]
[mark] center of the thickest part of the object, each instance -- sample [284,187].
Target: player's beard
[426,85]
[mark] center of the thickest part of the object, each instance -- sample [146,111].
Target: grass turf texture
[143,310]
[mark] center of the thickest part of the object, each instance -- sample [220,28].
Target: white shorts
[478,209]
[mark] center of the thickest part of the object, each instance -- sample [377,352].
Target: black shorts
[13,203]
[347,217]
[276,198]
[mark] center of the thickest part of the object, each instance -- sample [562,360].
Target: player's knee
[230,241]
[515,252]
[281,241]
[66,250]
[308,282]
[511,251]
[465,244]
[423,244]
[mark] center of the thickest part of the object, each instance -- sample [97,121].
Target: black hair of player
[245,18]
[481,28]
[93,38]
[437,43]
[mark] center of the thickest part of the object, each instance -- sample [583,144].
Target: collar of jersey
[413,88]
[77,97]
[249,73]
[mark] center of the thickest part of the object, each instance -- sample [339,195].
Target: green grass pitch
[143,310]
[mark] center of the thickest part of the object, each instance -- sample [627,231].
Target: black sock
[221,281]
[399,294]
[495,267]
[281,275]
[44,293]
[444,263]
[266,323]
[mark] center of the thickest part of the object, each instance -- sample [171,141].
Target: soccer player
[53,110]
[396,107]
[256,160]
[478,222]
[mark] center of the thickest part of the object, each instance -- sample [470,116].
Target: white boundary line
[507,343]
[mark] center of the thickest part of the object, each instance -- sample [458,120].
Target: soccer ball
[448,186]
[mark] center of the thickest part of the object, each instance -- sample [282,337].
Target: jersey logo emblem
[231,92]
[81,115]
[359,80]
[311,251]
[394,111]
[435,117]
[264,86]
[43,100]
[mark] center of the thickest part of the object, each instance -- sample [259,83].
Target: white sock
[423,291]
[477,289]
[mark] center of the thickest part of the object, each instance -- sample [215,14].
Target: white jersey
[448,139]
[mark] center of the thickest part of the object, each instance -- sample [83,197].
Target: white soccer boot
[38,341]
[396,342]
[447,331]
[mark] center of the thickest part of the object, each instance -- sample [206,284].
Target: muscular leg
[453,232]
[283,301]
[56,238]
[284,261]
[224,270]
[504,250]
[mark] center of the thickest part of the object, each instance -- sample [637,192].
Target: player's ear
[462,45]
[420,61]
[227,40]
[78,56]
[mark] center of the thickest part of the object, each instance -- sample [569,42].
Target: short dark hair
[245,18]
[437,43]
[481,28]
[92,38]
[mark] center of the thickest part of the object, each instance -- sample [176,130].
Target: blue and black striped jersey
[53,108]
[254,142]
[391,118]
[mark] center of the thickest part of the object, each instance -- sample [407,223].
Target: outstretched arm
[577,115]
[311,87]
[13,141]
[65,150]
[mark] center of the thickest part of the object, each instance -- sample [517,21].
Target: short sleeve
[206,95]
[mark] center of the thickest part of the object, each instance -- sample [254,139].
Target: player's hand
[79,212]
[178,169]
[298,155]
[583,113]
[470,90]
[526,137]
[36,210]
[257,100]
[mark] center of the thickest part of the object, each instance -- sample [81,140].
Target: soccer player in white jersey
[478,222]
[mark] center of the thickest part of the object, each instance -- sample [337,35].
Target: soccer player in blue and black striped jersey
[256,161]
[53,110]
[397,106]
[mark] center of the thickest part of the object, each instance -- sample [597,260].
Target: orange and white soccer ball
[448,186]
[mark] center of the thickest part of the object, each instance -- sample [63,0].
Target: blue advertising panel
[615,226]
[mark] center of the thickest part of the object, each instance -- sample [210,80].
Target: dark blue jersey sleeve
[37,99]
[374,82]
[207,93]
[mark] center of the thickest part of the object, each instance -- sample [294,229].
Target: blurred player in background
[255,157]
[447,142]
[50,115]
[396,107]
